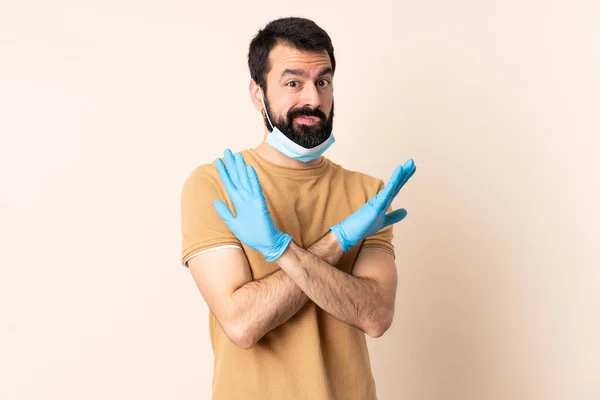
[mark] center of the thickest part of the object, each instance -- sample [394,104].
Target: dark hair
[300,33]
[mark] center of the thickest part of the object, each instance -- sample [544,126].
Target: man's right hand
[253,224]
[371,218]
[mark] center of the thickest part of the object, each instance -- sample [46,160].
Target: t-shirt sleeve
[382,239]
[201,227]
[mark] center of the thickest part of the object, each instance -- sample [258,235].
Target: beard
[307,136]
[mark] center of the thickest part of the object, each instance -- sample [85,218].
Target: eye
[323,83]
[292,84]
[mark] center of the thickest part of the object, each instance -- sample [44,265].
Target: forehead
[283,57]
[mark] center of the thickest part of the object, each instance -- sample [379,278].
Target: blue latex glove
[252,224]
[371,218]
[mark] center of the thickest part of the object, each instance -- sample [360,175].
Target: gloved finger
[231,168]
[223,211]
[405,178]
[386,195]
[395,216]
[406,167]
[406,173]
[254,182]
[225,178]
[242,172]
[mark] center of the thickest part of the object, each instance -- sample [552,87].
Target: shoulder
[204,172]
[203,175]
[208,171]
[204,179]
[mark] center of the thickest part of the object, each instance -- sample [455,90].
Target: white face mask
[290,148]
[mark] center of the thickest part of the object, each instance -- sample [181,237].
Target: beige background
[106,106]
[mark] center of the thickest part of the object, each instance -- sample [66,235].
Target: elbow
[244,343]
[240,336]
[376,327]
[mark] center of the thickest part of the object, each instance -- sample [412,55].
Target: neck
[271,154]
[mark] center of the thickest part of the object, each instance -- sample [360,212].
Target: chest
[306,210]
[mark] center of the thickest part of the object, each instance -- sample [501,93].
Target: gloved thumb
[223,211]
[395,216]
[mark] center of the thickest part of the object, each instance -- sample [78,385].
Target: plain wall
[107,106]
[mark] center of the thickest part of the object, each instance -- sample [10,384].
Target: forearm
[264,304]
[355,300]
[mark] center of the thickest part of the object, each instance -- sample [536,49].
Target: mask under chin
[294,150]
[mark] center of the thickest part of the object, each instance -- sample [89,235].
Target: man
[306,266]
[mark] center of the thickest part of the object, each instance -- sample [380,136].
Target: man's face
[299,96]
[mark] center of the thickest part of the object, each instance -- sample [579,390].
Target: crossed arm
[248,309]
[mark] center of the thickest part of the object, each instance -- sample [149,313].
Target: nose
[310,97]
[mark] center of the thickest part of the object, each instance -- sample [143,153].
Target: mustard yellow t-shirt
[313,356]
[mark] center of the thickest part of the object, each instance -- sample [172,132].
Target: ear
[255,95]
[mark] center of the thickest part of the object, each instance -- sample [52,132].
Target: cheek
[280,101]
[327,98]
[327,105]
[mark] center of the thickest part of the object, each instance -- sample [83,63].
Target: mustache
[306,112]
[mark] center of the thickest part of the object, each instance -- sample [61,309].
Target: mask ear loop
[265,107]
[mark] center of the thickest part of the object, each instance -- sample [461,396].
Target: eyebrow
[302,72]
